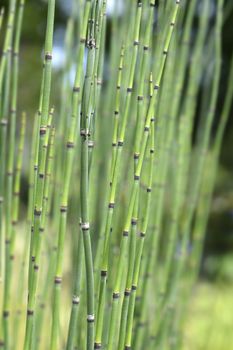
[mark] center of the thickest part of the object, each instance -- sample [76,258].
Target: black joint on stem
[48,56]
[156,87]
[142,234]
[172,24]
[136,156]
[111,205]
[152,151]
[37,212]
[70,144]
[41,229]
[177,2]
[136,43]
[129,89]
[120,143]
[125,233]
[76,89]
[165,52]
[116,112]
[63,209]
[127,347]
[41,176]
[5,314]
[136,177]
[97,346]
[4,122]
[30,312]
[134,287]
[42,130]
[118,87]
[115,295]
[146,128]
[36,267]
[127,292]
[103,273]
[114,144]
[149,190]
[134,221]
[140,98]
[145,48]
[57,280]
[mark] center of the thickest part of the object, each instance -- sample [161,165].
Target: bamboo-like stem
[69,156]
[42,154]
[113,184]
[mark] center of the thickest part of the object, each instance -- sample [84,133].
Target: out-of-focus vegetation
[208,321]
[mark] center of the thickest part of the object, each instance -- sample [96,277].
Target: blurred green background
[210,320]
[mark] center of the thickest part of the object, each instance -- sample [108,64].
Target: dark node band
[136,177]
[134,221]
[146,128]
[134,287]
[114,144]
[142,234]
[3,122]
[90,318]
[152,4]
[156,87]
[152,151]
[152,119]
[129,89]
[165,52]
[136,42]
[57,280]
[70,144]
[125,233]
[91,144]
[75,301]
[118,87]
[127,292]
[36,267]
[111,205]
[76,89]
[115,295]
[136,155]
[48,56]
[148,189]
[120,68]
[41,176]
[97,346]
[140,98]
[30,312]
[120,143]
[63,209]
[145,47]
[82,40]
[41,229]
[127,347]
[177,2]
[42,130]
[103,273]
[37,212]
[172,24]
[116,112]
[139,4]
[35,167]
[33,258]
[5,314]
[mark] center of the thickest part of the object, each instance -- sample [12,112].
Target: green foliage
[119,196]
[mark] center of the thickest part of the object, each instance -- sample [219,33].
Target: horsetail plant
[119,196]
